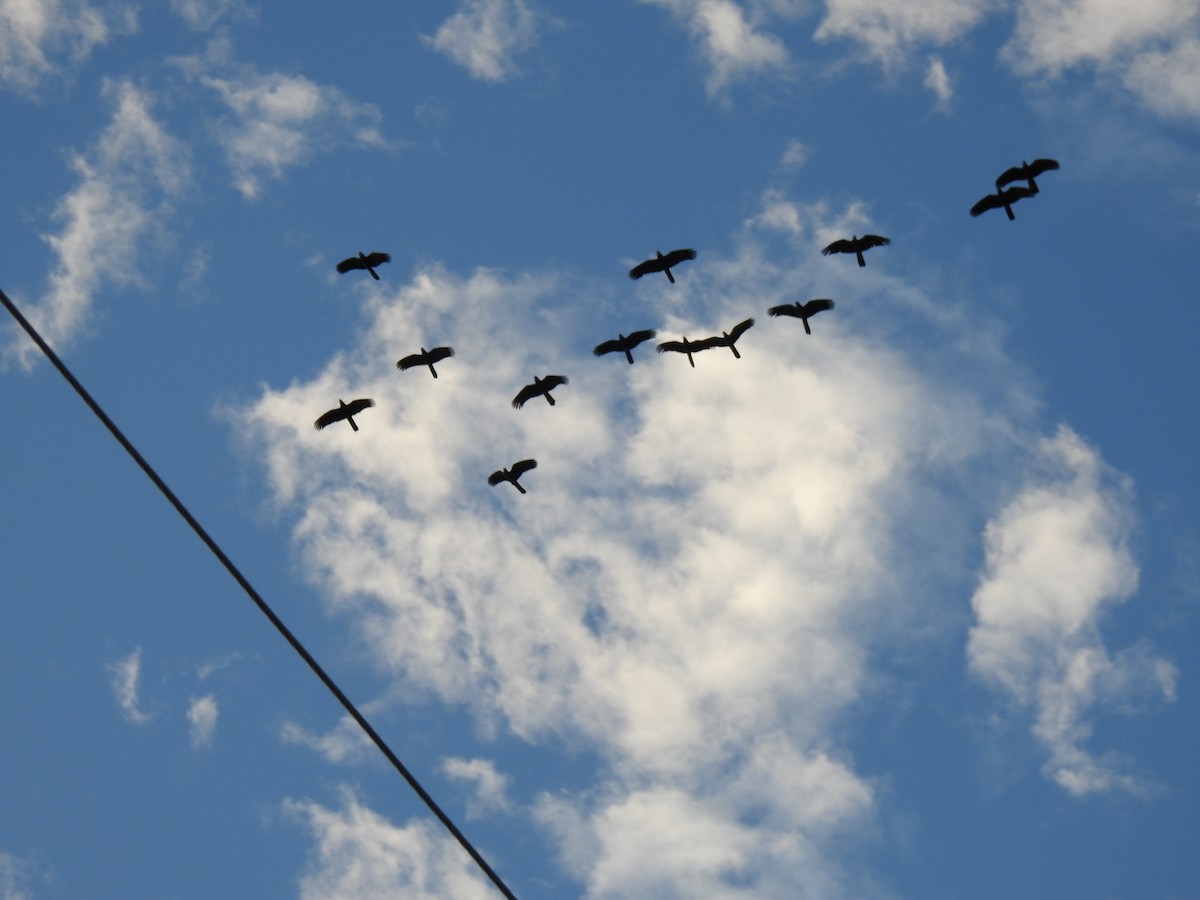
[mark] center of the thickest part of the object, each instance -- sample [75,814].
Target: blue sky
[901,609]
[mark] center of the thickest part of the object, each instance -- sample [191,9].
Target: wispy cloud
[125,674]
[346,743]
[16,874]
[126,184]
[361,854]
[42,38]
[486,36]
[708,558]
[202,718]
[490,785]
[1057,560]
[937,81]
[202,15]
[888,31]
[277,121]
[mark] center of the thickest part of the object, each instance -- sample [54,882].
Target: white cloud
[125,675]
[34,33]
[937,81]
[484,36]
[16,873]
[795,154]
[490,785]
[202,15]
[732,36]
[126,183]
[277,121]
[707,560]
[346,743]
[1057,560]
[1167,80]
[888,30]
[202,717]
[361,854]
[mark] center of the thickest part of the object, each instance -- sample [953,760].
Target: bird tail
[1032,185]
[518,487]
[735,353]
[629,356]
[807,330]
[1011,215]
[670,277]
[373,274]
[691,362]
[351,421]
[433,370]
[549,399]
[861,262]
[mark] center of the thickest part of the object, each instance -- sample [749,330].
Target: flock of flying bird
[1004,198]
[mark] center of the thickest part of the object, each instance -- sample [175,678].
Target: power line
[262,605]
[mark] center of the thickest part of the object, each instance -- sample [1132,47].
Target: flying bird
[624,343]
[1002,200]
[541,386]
[366,261]
[425,358]
[688,347]
[802,311]
[729,338]
[1027,171]
[345,411]
[857,245]
[662,263]
[511,475]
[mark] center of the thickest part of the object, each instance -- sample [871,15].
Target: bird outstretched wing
[353,262]
[677,346]
[816,305]
[639,336]
[522,466]
[374,259]
[411,361]
[616,345]
[675,257]
[739,329]
[873,240]
[526,393]
[839,246]
[646,267]
[787,309]
[1026,171]
[552,381]
[498,476]
[437,354]
[991,201]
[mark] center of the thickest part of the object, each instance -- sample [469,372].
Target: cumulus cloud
[126,184]
[202,718]
[39,38]
[490,785]
[707,561]
[277,121]
[125,674]
[361,854]
[485,36]
[733,37]
[1057,560]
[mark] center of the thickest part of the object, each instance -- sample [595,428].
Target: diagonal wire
[254,595]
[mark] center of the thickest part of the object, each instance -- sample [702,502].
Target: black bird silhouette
[425,358]
[624,343]
[688,347]
[1002,200]
[1027,171]
[729,338]
[857,245]
[366,261]
[662,263]
[541,386]
[511,475]
[345,411]
[802,311]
